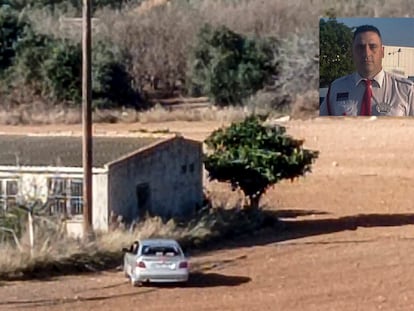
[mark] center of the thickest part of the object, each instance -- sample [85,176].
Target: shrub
[47,66]
[335,51]
[229,67]
[252,157]
[53,69]
[22,82]
[11,30]
[62,71]
[31,51]
[13,220]
[112,85]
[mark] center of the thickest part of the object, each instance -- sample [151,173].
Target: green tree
[53,68]
[335,51]
[228,67]
[252,157]
[11,30]
[112,84]
[62,71]
[31,51]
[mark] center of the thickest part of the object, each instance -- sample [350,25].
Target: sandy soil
[348,243]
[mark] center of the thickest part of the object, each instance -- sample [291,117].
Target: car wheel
[135,283]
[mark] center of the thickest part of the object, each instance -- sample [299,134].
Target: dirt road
[348,245]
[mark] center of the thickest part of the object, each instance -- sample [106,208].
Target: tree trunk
[254,201]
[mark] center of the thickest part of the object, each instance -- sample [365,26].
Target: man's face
[368,52]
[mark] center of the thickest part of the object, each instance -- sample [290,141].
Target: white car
[155,260]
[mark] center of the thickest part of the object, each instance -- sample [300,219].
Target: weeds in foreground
[59,254]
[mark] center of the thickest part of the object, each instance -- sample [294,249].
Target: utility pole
[87,118]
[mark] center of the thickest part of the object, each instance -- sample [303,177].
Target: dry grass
[41,115]
[56,253]
[227,114]
[59,251]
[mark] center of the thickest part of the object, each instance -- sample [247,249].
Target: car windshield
[163,250]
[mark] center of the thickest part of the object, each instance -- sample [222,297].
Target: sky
[394,31]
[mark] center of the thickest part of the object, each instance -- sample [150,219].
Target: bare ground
[348,242]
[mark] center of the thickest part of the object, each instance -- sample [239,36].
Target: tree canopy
[335,51]
[252,157]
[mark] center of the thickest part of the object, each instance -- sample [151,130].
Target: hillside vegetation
[253,53]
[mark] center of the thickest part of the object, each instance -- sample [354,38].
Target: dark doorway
[144,200]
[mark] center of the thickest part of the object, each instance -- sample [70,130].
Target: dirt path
[348,245]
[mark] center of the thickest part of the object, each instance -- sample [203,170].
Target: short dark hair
[365,28]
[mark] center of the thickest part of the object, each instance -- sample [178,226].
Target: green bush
[19,5]
[62,71]
[112,85]
[14,219]
[335,51]
[253,157]
[229,67]
[31,52]
[53,68]
[11,29]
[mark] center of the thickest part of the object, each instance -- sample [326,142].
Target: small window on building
[191,167]
[65,196]
[76,193]
[57,195]
[9,188]
[183,169]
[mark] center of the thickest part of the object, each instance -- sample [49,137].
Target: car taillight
[183,265]
[140,264]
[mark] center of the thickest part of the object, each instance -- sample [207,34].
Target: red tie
[366,100]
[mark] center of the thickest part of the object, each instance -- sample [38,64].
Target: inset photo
[366,67]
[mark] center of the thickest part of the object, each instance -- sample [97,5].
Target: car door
[129,259]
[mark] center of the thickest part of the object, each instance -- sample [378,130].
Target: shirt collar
[379,78]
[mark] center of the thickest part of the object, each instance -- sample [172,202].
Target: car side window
[145,250]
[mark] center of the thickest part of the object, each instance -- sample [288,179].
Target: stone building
[131,176]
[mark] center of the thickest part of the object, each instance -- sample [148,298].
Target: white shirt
[391,96]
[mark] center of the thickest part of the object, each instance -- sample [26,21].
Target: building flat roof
[66,151]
